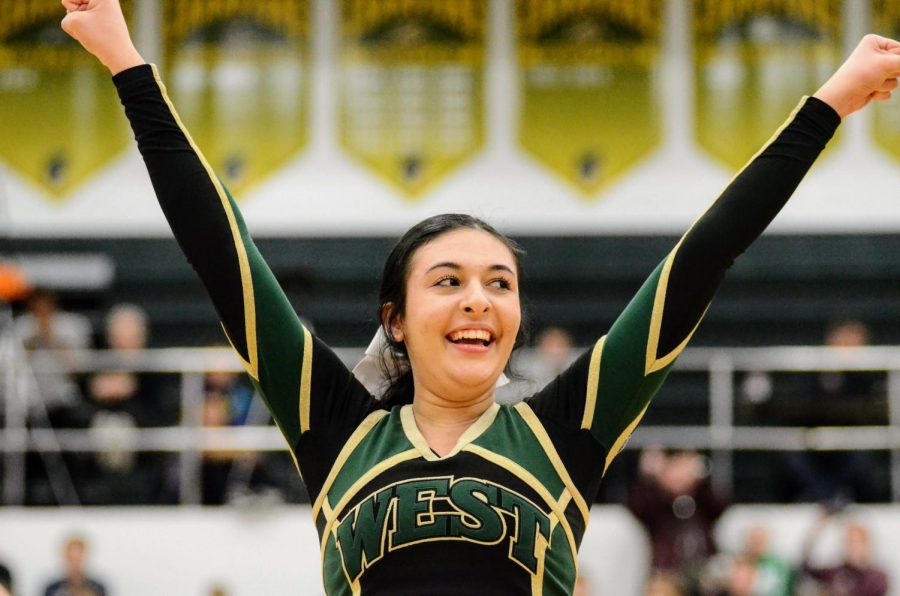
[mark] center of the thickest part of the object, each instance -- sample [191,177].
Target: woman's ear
[393,325]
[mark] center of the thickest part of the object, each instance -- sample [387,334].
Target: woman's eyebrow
[447,264]
[457,266]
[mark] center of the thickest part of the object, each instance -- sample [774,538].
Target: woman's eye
[501,283]
[447,282]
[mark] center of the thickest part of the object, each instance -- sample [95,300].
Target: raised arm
[277,351]
[607,391]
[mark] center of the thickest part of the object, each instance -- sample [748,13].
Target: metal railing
[189,439]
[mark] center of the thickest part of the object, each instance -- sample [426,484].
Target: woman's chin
[471,381]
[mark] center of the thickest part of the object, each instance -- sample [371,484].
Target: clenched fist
[99,26]
[869,73]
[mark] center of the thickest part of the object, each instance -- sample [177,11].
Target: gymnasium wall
[785,289]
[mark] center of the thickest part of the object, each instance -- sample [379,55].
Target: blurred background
[593,131]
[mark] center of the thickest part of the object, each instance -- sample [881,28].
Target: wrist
[124,61]
[833,100]
[840,110]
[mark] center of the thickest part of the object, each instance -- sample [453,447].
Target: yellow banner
[411,87]
[590,109]
[754,60]
[238,73]
[60,118]
[886,119]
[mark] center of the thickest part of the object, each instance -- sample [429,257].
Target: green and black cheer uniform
[505,511]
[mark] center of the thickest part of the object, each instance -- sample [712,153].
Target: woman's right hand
[100,27]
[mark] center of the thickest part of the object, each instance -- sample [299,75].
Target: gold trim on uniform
[771,140]
[653,362]
[543,438]
[357,485]
[529,479]
[659,303]
[564,500]
[476,429]
[411,430]
[414,435]
[305,380]
[540,552]
[243,261]
[355,439]
[623,438]
[593,386]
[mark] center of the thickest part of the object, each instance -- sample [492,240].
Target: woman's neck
[442,422]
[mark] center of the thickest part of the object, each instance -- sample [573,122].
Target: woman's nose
[475,301]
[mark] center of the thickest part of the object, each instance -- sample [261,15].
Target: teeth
[471,334]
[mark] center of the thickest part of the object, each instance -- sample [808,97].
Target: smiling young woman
[431,486]
[458,323]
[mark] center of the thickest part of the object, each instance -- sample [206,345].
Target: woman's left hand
[870,72]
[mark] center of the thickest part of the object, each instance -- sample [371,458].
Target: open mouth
[471,337]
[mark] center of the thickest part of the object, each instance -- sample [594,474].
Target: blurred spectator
[76,580]
[552,353]
[227,475]
[237,391]
[120,402]
[838,398]
[240,477]
[217,463]
[152,395]
[675,502]
[6,582]
[742,578]
[661,583]
[754,571]
[823,398]
[856,575]
[50,335]
[772,575]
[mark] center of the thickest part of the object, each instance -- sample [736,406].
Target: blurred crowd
[676,503]
[115,403]
[75,576]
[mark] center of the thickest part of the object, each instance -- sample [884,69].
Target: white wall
[273,552]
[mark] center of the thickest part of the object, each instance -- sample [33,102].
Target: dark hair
[393,291]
